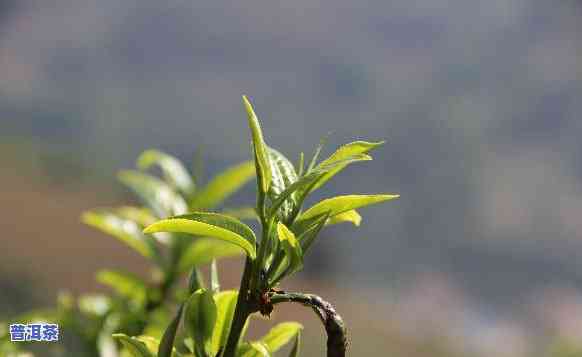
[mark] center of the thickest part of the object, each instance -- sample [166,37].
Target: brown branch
[335,328]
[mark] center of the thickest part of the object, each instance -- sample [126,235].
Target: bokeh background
[480,103]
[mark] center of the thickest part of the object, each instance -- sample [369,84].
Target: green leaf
[348,150]
[306,183]
[195,281]
[204,250]
[151,343]
[189,344]
[225,306]
[280,335]
[351,216]
[223,185]
[166,346]
[140,215]
[134,346]
[214,282]
[213,225]
[283,175]
[200,317]
[296,346]
[262,164]
[125,284]
[284,168]
[301,164]
[301,184]
[156,194]
[125,230]
[174,172]
[300,188]
[157,319]
[292,248]
[290,259]
[253,349]
[309,230]
[341,204]
[322,142]
[351,149]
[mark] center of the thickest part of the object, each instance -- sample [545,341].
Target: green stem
[263,244]
[241,313]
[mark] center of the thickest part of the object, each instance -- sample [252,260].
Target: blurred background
[479,101]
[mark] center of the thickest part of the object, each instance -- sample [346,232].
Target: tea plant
[139,306]
[209,322]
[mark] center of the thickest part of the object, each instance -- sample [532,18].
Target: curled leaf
[253,349]
[289,262]
[291,246]
[340,204]
[351,216]
[350,149]
[262,163]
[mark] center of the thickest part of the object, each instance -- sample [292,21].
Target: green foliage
[140,306]
[174,172]
[351,216]
[223,186]
[126,230]
[135,345]
[200,319]
[203,250]
[280,335]
[166,347]
[155,193]
[253,349]
[225,306]
[126,285]
[356,150]
[341,204]
[293,260]
[262,159]
[296,346]
[212,225]
[174,231]
[282,176]
[287,233]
